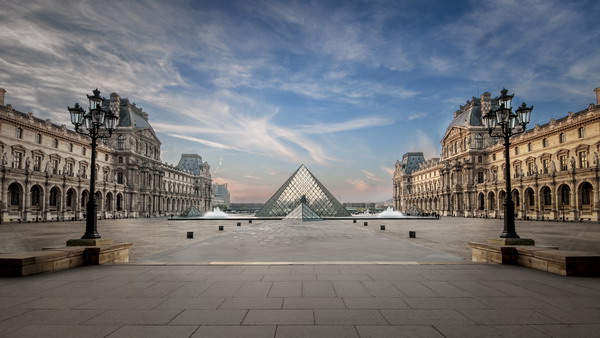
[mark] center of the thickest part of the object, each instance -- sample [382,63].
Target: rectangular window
[530,170]
[563,162]
[55,167]
[516,150]
[562,138]
[37,163]
[69,169]
[528,146]
[480,177]
[83,151]
[38,138]
[583,163]
[545,143]
[55,143]
[545,165]
[17,160]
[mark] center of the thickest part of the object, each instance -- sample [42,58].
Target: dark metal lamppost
[502,122]
[97,124]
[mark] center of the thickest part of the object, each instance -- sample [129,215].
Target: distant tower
[3,91]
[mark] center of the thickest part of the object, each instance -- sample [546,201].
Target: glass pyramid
[303,212]
[302,187]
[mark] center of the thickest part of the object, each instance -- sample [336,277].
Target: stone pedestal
[511,241]
[89,242]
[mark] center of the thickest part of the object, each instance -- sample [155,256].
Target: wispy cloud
[371,176]
[346,125]
[416,116]
[205,142]
[389,171]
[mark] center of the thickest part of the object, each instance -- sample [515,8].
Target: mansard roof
[132,116]
[467,116]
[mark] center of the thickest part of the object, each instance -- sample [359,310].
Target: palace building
[45,170]
[554,167]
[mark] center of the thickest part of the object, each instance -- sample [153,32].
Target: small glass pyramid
[303,212]
[302,187]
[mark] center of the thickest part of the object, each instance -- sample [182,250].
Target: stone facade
[221,195]
[45,170]
[555,171]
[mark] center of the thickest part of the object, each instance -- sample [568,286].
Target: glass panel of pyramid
[303,211]
[302,187]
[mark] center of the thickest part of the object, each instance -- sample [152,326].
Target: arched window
[53,201]
[547,196]
[586,194]
[35,195]
[70,198]
[565,193]
[14,192]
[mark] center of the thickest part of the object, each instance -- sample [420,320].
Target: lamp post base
[511,241]
[89,242]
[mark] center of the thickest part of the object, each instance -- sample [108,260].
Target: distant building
[45,170]
[221,195]
[554,168]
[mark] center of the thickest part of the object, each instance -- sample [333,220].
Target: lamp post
[96,123]
[502,122]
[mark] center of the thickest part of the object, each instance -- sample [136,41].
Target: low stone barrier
[550,259]
[61,258]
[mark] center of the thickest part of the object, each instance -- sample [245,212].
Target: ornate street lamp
[96,123]
[502,122]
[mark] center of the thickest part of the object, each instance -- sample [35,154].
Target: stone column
[26,199]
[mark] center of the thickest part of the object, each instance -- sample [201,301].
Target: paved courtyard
[300,279]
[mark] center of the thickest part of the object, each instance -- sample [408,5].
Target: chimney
[3,91]
[597,90]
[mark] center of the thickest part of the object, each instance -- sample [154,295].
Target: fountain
[216,213]
[390,213]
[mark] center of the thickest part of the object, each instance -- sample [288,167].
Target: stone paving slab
[296,242]
[530,303]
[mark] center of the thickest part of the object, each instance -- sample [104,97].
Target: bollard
[239,224]
[412,234]
[353,221]
[249,221]
[220,228]
[366,223]
[190,234]
[382,227]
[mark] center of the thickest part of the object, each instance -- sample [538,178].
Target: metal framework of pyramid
[303,212]
[192,212]
[303,187]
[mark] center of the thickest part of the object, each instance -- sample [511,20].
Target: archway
[54,199]
[491,201]
[15,197]
[586,199]
[119,202]
[109,201]
[71,199]
[36,194]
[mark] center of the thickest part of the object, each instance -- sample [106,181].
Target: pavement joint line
[301,263]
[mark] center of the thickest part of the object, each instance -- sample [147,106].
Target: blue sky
[259,87]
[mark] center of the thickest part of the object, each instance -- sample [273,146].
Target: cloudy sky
[259,87]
